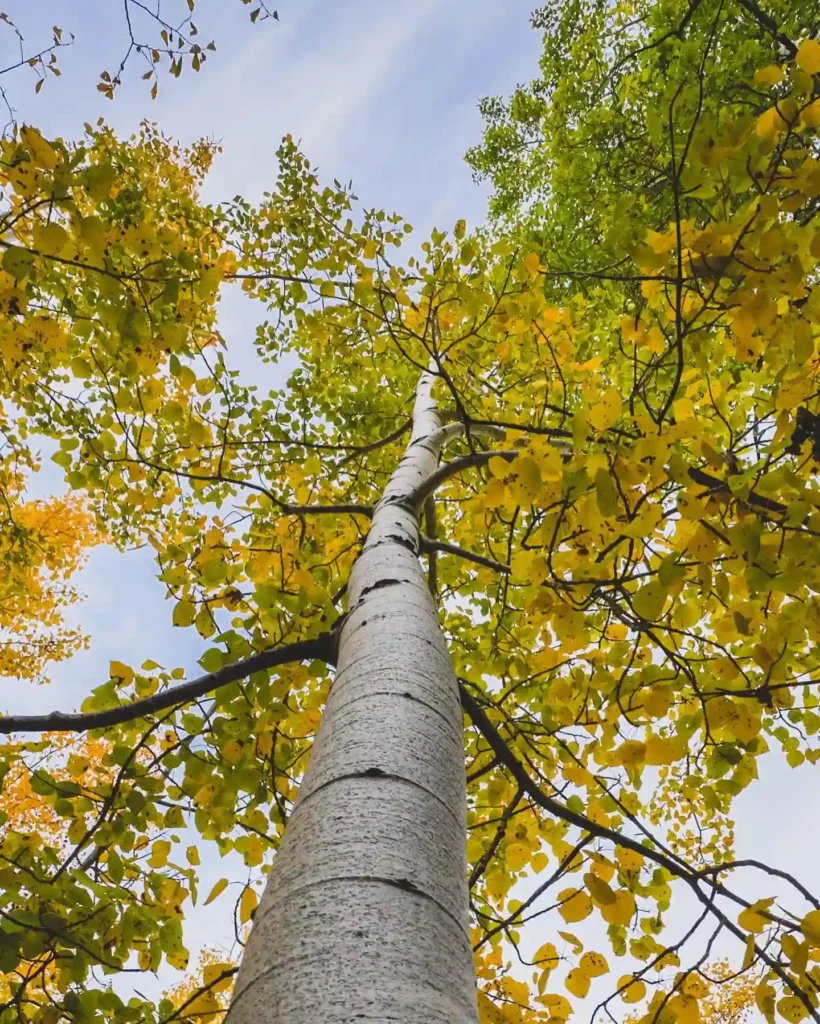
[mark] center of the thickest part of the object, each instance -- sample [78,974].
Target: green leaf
[17,262]
[649,601]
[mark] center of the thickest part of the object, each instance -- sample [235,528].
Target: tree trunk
[365,915]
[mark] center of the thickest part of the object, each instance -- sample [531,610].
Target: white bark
[365,915]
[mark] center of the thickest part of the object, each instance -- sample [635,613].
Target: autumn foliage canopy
[624,543]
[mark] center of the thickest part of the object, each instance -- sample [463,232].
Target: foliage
[642,621]
[41,545]
[730,998]
[204,996]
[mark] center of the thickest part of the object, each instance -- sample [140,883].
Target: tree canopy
[622,539]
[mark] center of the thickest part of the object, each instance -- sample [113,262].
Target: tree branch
[430,526]
[715,869]
[448,469]
[322,647]
[679,870]
[562,438]
[318,510]
[429,544]
[441,437]
[767,21]
[375,445]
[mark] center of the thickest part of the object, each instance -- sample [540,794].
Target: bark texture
[365,915]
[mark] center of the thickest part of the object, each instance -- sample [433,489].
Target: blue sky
[381,93]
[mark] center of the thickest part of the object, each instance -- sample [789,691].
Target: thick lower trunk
[365,915]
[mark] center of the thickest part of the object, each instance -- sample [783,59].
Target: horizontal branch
[322,647]
[428,544]
[756,500]
[326,510]
[441,437]
[732,865]
[375,445]
[448,469]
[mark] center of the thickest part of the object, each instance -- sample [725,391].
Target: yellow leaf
[602,867]
[574,941]
[159,853]
[77,765]
[599,889]
[488,1012]
[769,124]
[527,475]
[192,855]
[517,855]
[594,964]
[254,851]
[808,59]
[649,601]
[695,986]
[605,493]
[117,670]
[622,910]
[247,904]
[577,982]
[629,860]
[657,700]
[606,412]
[211,972]
[575,905]
[751,919]
[792,1009]
[685,1009]
[205,1008]
[633,989]
[765,78]
[495,493]
[749,952]
[232,751]
[797,952]
[532,263]
[629,754]
[50,238]
[684,409]
[547,957]
[667,750]
[551,464]
[517,991]
[184,613]
[557,1006]
[810,115]
[810,927]
[764,997]
[42,152]
[204,794]
[220,887]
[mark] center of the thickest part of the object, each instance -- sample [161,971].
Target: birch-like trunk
[365,915]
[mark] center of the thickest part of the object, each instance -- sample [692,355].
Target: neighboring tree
[205,995]
[609,469]
[42,544]
[725,998]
